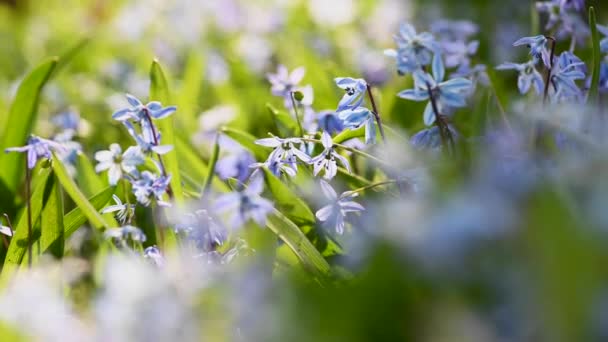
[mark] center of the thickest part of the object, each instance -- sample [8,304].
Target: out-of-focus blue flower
[245,205]
[565,76]
[150,187]
[429,138]
[538,48]
[122,211]
[459,53]
[339,207]
[330,122]
[154,254]
[203,229]
[117,162]
[413,49]
[125,233]
[138,111]
[278,167]
[578,5]
[355,92]
[451,93]
[327,159]
[285,151]
[454,30]
[284,83]
[562,20]
[528,76]
[604,42]
[355,118]
[37,148]
[235,165]
[604,77]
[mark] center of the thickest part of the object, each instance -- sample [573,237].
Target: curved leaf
[287,202]
[159,91]
[299,244]
[51,222]
[349,134]
[247,141]
[20,122]
[76,217]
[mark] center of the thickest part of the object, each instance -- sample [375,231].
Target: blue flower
[284,83]
[528,76]
[37,148]
[285,152]
[330,122]
[138,112]
[117,162]
[458,53]
[235,166]
[454,30]
[327,159]
[355,92]
[146,142]
[429,138]
[355,118]
[203,229]
[124,233]
[413,49]
[245,205]
[150,187]
[123,211]
[154,254]
[451,93]
[604,77]
[567,72]
[339,207]
[604,42]
[538,48]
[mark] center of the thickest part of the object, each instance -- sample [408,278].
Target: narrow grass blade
[308,255]
[248,142]
[211,169]
[287,202]
[76,217]
[159,91]
[51,222]
[595,44]
[88,180]
[20,122]
[77,196]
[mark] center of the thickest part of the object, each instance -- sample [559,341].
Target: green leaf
[20,122]
[211,169]
[193,167]
[349,134]
[159,91]
[595,44]
[88,180]
[51,222]
[287,202]
[308,255]
[77,196]
[286,124]
[19,241]
[247,141]
[189,92]
[76,217]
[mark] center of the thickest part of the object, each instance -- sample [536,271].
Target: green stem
[295,109]
[350,149]
[28,179]
[371,186]
[376,113]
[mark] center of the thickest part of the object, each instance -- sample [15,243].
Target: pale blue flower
[117,162]
[528,76]
[330,122]
[355,89]
[326,161]
[285,83]
[413,49]
[336,211]
[454,30]
[459,53]
[125,233]
[235,165]
[451,93]
[285,151]
[429,138]
[565,76]
[204,230]
[150,187]
[154,254]
[146,142]
[357,117]
[37,148]
[538,48]
[138,112]
[245,205]
[122,211]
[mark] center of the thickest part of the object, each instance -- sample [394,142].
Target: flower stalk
[375,112]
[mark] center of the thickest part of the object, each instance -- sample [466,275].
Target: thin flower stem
[160,159]
[444,131]
[28,179]
[549,69]
[371,186]
[375,112]
[350,149]
[295,109]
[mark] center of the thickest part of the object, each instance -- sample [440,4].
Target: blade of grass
[287,202]
[51,222]
[76,217]
[77,196]
[159,91]
[211,169]
[20,123]
[88,180]
[248,142]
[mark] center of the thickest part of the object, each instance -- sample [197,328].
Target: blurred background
[505,257]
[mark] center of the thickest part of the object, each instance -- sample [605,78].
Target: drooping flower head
[355,89]
[37,148]
[528,76]
[538,48]
[326,161]
[336,211]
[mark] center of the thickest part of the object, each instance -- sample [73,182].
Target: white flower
[117,162]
